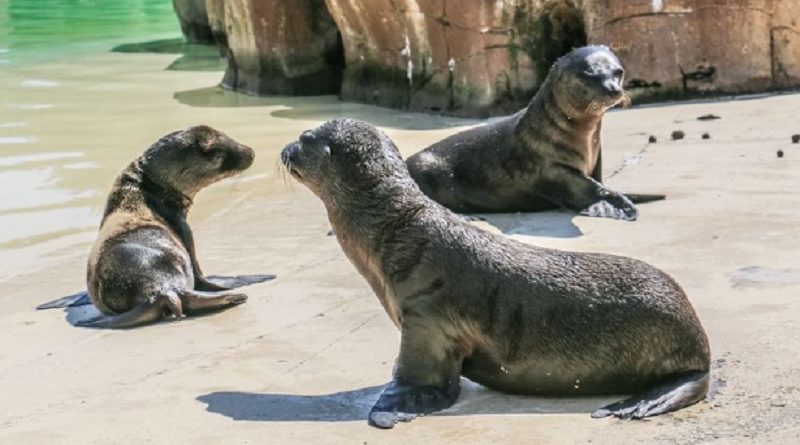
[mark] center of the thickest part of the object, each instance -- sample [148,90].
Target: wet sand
[304,359]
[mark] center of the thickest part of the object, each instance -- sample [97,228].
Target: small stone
[706,136]
[652,139]
[708,117]
[796,139]
[780,153]
[677,134]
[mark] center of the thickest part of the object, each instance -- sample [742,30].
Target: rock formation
[279,47]
[467,57]
[701,45]
[193,18]
[480,57]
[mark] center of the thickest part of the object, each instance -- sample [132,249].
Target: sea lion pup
[143,264]
[510,316]
[545,156]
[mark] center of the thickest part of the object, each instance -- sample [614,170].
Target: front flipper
[198,301]
[427,375]
[684,390]
[569,188]
[142,314]
[615,206]
[238,281]
[640,198]
[78,299]
[402,401]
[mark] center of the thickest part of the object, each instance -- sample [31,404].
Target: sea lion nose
[307,137]
[613,87]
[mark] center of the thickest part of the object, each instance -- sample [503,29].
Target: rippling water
[37,30]
[87,85]
[50,171]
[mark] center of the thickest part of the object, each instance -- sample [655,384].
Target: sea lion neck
[368,233]
[135,185]
[546,105]
[366,213]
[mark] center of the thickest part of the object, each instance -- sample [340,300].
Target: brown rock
[480,57]
[702,45]
[469,57]
[216,21]
[281,47]
[193,18]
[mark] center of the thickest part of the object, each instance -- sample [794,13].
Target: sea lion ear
[203,136]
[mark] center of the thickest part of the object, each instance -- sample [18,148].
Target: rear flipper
[199,301]
[684,390]
[144,313]
[239,280]
[641,199]
[79,299]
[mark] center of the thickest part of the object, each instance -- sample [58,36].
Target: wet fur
[143,264]
[545,156]
[511,316]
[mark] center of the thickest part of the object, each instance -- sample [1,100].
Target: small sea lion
[510,316]
[545,156]
[143,264]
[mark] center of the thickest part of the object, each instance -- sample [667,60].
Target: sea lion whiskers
[281,171]
[626,100]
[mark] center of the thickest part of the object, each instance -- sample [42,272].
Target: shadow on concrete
[193,57]
[318,109]
[354,405]
[551,224]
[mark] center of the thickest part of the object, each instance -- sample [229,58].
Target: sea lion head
[589,80]
[344,157]
[188,160]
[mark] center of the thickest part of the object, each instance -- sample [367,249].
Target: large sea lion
[508,315]
[545,156]
[143,264]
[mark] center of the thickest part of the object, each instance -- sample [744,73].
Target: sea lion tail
[641,198]
[684,390]
[79,299]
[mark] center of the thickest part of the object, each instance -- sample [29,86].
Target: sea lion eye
[618,73]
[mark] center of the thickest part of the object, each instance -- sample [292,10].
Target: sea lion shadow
[354,405]
[553,224]
[76,314]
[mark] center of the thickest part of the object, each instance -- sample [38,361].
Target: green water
[43,30]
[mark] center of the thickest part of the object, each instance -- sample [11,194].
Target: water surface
[87,85]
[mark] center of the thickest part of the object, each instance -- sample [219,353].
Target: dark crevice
[556,29]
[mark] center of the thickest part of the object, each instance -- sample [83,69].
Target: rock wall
[481,57]
[467,57]
[701,45]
